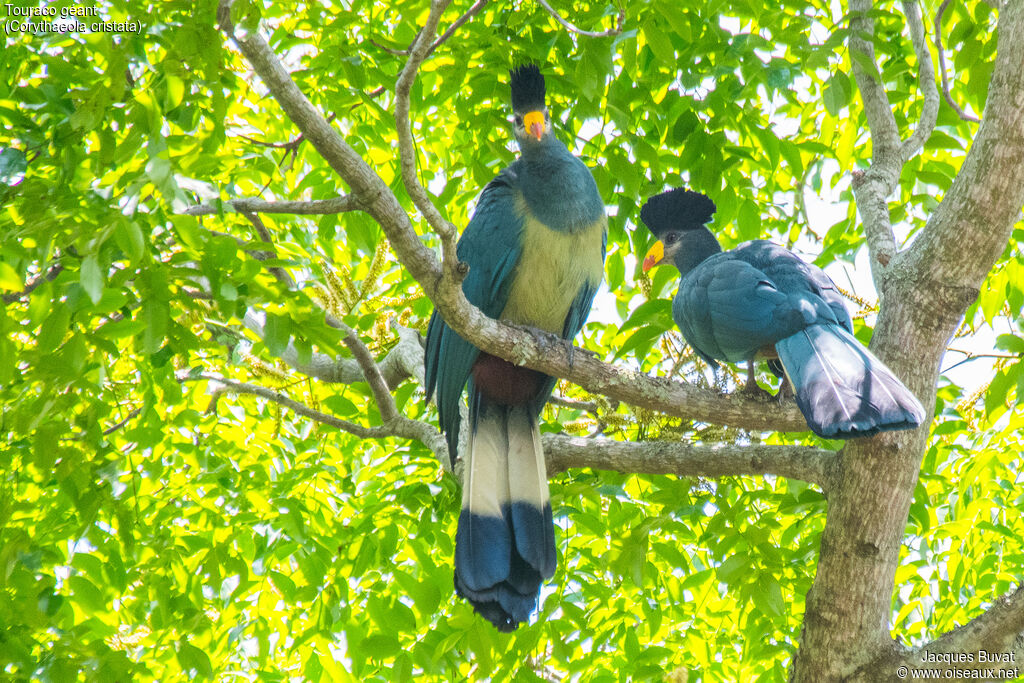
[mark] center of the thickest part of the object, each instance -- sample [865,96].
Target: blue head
[558,187]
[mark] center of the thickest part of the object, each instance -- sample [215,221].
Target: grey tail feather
[504,545]
[842,389]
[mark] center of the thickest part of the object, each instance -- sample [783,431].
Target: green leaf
[54,328]
[10,279]
[1011,343]
[91,278]
[86,593]
[276,333]
[659,43]
[13,165]
[192,658]
[154,317]
[837,93]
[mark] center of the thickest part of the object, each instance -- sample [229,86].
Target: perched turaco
[535,247]
[760,300]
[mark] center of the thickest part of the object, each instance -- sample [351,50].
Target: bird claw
[755,392]
[785,392]
[751,388]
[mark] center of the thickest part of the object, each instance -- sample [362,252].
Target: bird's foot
[755,392]
[785,392]
[751,388]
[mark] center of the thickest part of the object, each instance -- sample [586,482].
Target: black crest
[527,88]
[678,209]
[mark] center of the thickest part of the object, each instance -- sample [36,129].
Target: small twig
[942,67]
[280,273]
[315,207]
[974,356]
[390,50]
[472,12]
[127,418]
[291,145]
[621,20]
[48,276]
[401,427]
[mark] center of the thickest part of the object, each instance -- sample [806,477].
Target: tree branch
[406,146]
[931,284]
[315,207]
[873,187]
[278,272]
[470,13]
[378,385]
[403,361]
[942,66]
[620,21]
[989,189]
[997,631]
[48,276]
[290,146]
[926,84]
[539,351]
[806,463]
[399,426]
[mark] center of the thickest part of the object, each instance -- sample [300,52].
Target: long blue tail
[505,543]
[842,389]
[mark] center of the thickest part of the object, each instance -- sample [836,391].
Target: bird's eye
[519,120]
[670,238]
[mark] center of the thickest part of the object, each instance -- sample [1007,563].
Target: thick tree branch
[997,631]
[873,187]
[813,465]
[619,22]
[942,66]
[315,207]
[806,463]
[539,351]
[369,192]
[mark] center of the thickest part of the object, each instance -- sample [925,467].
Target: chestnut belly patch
[505,383]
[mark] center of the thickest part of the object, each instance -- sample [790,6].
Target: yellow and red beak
[655,255]
[534,124]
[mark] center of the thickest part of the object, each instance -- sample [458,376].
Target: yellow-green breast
[552,270]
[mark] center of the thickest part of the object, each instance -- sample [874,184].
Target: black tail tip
[678,209]
[504,608]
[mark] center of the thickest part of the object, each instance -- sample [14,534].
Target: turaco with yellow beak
[535,248]
[760,300]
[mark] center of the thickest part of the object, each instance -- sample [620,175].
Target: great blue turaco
[760,300]
[535,248]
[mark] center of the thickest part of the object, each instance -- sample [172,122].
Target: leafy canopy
[152,524]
